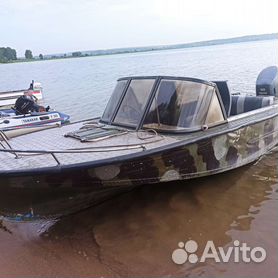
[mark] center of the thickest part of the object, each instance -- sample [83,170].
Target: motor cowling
[267,82]
[25,105]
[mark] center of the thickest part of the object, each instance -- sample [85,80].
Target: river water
[135,234]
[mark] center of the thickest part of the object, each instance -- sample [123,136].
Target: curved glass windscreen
[180,104]
[113,101]
[134,102]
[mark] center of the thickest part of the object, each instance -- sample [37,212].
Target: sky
[60,26]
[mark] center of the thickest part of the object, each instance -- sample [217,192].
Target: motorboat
[14,124]
[154,129]
[27,116]
[8,98]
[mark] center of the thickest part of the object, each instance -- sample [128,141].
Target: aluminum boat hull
[154,129]
[241,141]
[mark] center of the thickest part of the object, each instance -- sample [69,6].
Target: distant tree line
[7,54]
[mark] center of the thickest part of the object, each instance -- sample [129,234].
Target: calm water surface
[135,234]
[81,87]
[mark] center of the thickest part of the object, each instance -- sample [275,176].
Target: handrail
[20,153]
[92,149]
[85,150]
[5,139]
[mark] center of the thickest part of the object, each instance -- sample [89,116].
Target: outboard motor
[267,82]
[24,105]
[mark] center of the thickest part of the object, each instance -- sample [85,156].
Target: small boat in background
[14,125]
[26,116]
[9,98]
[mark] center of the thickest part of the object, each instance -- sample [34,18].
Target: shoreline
[117,51]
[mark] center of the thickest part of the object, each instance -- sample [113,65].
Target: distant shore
[90,53]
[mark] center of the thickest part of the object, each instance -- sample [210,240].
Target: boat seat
[245,103]
[225,94]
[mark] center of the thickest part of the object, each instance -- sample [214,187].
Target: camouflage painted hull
[212,154]
[237,143]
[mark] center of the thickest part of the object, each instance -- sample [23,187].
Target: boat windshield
[113,101]
[134,102]
[183,104]
[164,104]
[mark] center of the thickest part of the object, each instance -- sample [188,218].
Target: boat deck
[50,148]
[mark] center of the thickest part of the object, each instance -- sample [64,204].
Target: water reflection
[136,233]
[48,197]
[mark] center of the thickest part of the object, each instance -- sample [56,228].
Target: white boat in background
[9,98]
[10,120]
[14,122]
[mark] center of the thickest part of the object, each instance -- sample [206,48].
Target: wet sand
[135,233]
